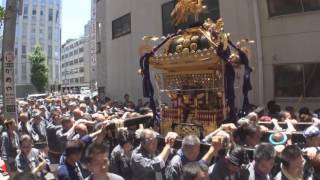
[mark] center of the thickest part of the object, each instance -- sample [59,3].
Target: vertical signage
[9,87]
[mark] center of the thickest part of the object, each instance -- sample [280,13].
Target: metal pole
[8,78]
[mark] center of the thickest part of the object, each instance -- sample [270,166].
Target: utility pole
[8,73]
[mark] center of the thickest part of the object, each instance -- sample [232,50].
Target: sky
[75,14]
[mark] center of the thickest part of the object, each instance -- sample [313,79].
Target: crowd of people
[66,138]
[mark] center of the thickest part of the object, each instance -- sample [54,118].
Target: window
[168,27]
[50,36]
[81,69]
[49,51]
[282,7]
[76,61]
[98,47]
[34,12]
[57,15]
[76,51]
[82,79]
[294,80]
[167,24]
[24,49]
[121,26]
[23,71]
[50,17]
[80,50]
[25,11]
[81,60]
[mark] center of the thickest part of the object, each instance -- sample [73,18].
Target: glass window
[121,26]
[80,50]
[168,26]
[24,49]
[295,80]
[25,11]
[288,80]
[282,7]
[312,80]
[50,36]
[50,17]
[310,5]
[49,51]
[57,15]
[98,47]
[23,71]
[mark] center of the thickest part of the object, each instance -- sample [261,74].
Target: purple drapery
[229,77]
[246,86]
[148,90]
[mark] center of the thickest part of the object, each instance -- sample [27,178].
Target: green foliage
[2,14]
[39,71]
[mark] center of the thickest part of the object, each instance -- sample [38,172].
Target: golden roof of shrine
[194,48]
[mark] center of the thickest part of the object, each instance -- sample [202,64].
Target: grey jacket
[219,171]
[25,164]
[145,166]
[119,164]
[9,146]
[54,136]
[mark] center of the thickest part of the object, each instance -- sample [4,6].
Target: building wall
[118,61]
[74,64]
[39,24]
[92,45]
[289,39]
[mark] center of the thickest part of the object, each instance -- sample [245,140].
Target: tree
[2,13]
[39,71]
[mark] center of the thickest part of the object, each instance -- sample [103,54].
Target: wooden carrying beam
[145,119]
[301,126]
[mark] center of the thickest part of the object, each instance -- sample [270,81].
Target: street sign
[9,88]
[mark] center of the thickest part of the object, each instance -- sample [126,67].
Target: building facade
[92,46]
[75,69]
[285,56]
[39,24]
